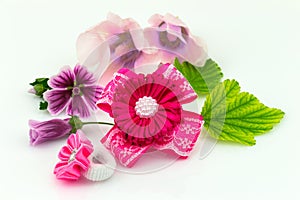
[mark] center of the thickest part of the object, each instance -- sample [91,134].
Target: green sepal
[76,124]
[43,105]
[40,85]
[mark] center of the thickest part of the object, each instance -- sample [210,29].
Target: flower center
[76,91]
[72,156]
[146,107]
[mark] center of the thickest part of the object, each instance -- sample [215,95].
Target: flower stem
[102,123]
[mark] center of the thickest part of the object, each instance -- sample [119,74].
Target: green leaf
[236,116]
[202,79]
[40,85]
[43,105]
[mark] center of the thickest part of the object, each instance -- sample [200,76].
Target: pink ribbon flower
[147,110]
[75,90]
[74,157]
[48,130]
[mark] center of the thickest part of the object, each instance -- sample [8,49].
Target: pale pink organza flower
[74,157]
[88,41]
[173,39]
[129,46]
[147,110]
[170,24]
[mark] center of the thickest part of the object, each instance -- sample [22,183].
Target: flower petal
[85,141]
[83,147]
[34,137]
[105,99]
[128,59]
[48,130]
[125,24]
[91,95]
[82,158]
[73,142]
[157,19]
[83,76]
[186,135]
[125,152]
[76,141]
[183,90]
[64,153]
[67,171]
[57,100]
[88,41]
[78,107]
[63,80]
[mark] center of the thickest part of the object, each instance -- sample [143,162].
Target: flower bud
[48,130]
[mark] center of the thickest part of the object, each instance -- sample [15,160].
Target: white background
[256,42]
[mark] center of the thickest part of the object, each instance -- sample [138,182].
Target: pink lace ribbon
[177,129]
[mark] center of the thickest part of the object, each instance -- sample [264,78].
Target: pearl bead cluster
[146,107]
[72,156]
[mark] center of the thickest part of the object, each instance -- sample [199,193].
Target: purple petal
[33,135]
[63,80]
[128,60]
[48,130]
[78,107]
[83,76]
[57,100]
[91,95]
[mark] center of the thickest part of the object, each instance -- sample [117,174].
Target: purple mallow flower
[48,130]
[75,90]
